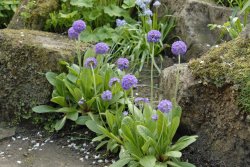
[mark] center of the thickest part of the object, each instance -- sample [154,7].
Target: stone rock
[193,16]
[33,14]
[7,132]
[25,57]
[208,94]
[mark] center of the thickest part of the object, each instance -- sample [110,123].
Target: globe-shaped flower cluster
[165,106]
[107,95]
[154,36]
[77,27]
[179,48]
[101,48]
[90,62]
[113,81]
[129,81]
[122,63]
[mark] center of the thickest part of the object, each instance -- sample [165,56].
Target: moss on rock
[25,57]
[228,63]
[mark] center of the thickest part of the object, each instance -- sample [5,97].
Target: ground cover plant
[7,9]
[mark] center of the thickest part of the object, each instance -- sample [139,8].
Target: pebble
[1,153]
[19,162]
[20,149]
[14,139]
[96,156]
[25,138]
[100,161]
[86,157]
[81,159]
[18,137]
[93,162]
[106,161]
[8,145]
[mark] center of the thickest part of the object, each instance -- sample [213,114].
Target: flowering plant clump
[129,81]
[101,48]
[179,48]
[122,63]
[165,106]
[107,95]
[154,36]
[90,62]
[113,81]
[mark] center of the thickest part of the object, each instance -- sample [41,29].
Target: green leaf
[92,125]
[59,100]
[128,4]
[148,161]
[51,77]
[60,123]
[175,154]
[82,120]
[66,110]
[113,10]
[121,162]
[43,109]
[72,116]
[183,142]
[180,164]
[82,3]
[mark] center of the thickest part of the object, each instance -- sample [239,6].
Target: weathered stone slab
[25,57]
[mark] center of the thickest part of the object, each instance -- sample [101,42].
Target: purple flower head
[113,81]
[91,61]
[72,34]
[122,63]
[147,12]
[179,48]
[120,22]
[157,4]
[154,36]
[165,106]
[107,95]
[79,26]
[141,100]
[125,113]
[101,48]
[81,101]
[154,117]
[129,81]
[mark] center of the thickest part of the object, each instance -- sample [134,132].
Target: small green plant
[78,91]
[147,136]
[233,27]
[7,9]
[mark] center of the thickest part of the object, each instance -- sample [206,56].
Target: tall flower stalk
[153,37]
[178,48]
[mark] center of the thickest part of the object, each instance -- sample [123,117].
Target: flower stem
[152,76]
[177,78]
[93,74]
[78,53]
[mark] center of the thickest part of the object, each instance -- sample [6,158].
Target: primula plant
[86,87]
